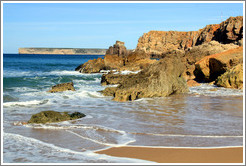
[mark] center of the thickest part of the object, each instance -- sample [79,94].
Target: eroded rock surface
[212,66]
[155,43]
[232,78]
[162,78]
[53,116]
[62,87]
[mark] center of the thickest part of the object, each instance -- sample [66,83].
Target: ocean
[202,118]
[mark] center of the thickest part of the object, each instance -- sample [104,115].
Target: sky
[99,25]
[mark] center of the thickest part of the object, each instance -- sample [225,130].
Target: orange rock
[192,83]
[210,67]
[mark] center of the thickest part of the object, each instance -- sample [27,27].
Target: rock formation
[161,42]
[196,53]
[117,58]
[232,78]
[212,66]
[62,87]
[53,117]
[92,66]
[162,78]
[155,43]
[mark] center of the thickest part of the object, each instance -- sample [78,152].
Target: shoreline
[178,154]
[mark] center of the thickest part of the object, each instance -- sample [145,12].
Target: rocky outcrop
[232,78]
[155,43]
[113,79]
[118,49]
[162,78]
[161,42]
[92,66]
[62,87]
[230,31]
[212,66]
[196,53]
[117,58]
[54,117]
[65,51]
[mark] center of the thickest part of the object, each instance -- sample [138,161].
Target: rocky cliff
[77,51]
[156,43]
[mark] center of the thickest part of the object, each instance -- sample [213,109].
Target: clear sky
[99,25]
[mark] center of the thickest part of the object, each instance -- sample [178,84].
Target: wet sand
[179,155]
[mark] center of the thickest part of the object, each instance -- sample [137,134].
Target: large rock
[156,43]
[230,31]
[53,117]
[62,87]
[92,66]
[232,78]
[159,42]
[162,78]
[117,58]
[118,49]
[113,79]
[196,53]
[212,66]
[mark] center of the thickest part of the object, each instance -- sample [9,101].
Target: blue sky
[99,25]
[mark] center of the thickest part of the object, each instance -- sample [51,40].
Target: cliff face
[72,51]
[158,42]
[161,42]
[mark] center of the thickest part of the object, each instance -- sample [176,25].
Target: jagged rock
[109,91]
[195,54]
[92,66]
[113,61]
[118,49]
[232,78]
[117,58]
[53,116]
[210,67]
[230,31]
[62,87]
[156,43]
[162,78]
[159,42]
[206,34]
[113,79]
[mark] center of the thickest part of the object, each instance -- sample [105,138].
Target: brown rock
[62,87]
[159,42]
[113,79]
[232,78]
[192,83]
[156,43]
[210,67]
[230,31]
[114,61]
[92,66]
[162,78]
[117,49]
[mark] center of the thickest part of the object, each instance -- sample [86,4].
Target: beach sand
[179,155]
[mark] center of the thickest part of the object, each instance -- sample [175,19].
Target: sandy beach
[179,155]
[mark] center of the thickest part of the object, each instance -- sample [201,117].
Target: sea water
[203,118]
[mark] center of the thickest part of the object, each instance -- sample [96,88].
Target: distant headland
[63,51]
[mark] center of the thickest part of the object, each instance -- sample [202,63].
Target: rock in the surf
[160,79]
[62,87]
[232,78]
[53,116]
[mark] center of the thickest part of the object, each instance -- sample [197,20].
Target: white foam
[33,146]
[212,90]
[125,72]
[22,103]
[16,73]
